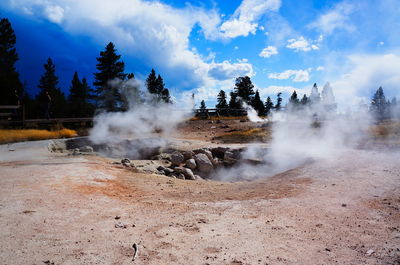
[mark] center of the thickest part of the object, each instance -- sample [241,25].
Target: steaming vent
[159,156]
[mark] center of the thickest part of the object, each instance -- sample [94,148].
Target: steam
[146,118]
[252,114]
[303,134]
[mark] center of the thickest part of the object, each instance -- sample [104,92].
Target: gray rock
[126,162]
[177,158]
[87,149]
[76,152]
[204,151]
[161,168]
[187,155]
[168,171]
[178,169]
[180,176]
[188,174]
[197,177]
[191,163]
[203,163]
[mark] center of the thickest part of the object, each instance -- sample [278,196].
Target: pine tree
[258,104]
[304,100]
[379,106]
[244,89]
[269,105]
[49,84]
[221,100]
[278,104]
[156,87]
[10,85]
[202,106]
[109,67]
[234,102]
[78,98]
[293,98]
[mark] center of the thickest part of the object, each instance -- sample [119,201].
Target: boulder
[87,149]
[180,176]
[187,155]
[203,163]
[197,177]
[177,158]
[191,163]
[204,151]
[188,174]
[168,171]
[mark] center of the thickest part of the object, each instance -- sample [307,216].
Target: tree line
[83,100]
[243,94]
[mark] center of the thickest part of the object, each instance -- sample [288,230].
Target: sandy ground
[59,209]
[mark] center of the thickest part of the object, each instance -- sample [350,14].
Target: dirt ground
[59,209]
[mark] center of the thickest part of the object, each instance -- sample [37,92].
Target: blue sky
[202,46]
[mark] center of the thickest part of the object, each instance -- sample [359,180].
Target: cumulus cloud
[227,70]
[364,74]
[153,32]
[54,13]
[301,44]
[295,75]
[335,19]
[268,52]
[244,21]
[320,68]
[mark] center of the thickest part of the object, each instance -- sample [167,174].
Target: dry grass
[386,129]
[215,118]
[251,135]
[9,136]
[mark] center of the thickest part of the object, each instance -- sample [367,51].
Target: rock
[180,176]
[187,155]
[203,163]
[229,158]
[178,169]
[369,252]
[197,177]
[76,152]
[126,162]
[87,149]
[177,158]
[219,151]
[168,171]
[204,151]
[191,163]
[162,156]
[188,174]
[56,146]
[161,168]
[121,225]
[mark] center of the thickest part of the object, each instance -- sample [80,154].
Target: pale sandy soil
[62,209]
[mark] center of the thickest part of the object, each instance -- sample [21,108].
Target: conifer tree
[278,104]
[379,106]
[234,102]
[304,100]
[49,83]
[221,100]
[109,67]
[258,104]
[155,85]
[78,98]
[10,85]
[269,105]
[244,89]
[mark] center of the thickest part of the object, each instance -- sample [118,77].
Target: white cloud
[268,51]
[244,20]
[295,75]
[301,44]
[227,70]
[334,19]
[363,74]
[320,68]
[152,32]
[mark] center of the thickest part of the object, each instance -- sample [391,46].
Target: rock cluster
[199,163]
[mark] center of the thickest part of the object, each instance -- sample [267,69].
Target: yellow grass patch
[251,135]
[215,118]
[8,136]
